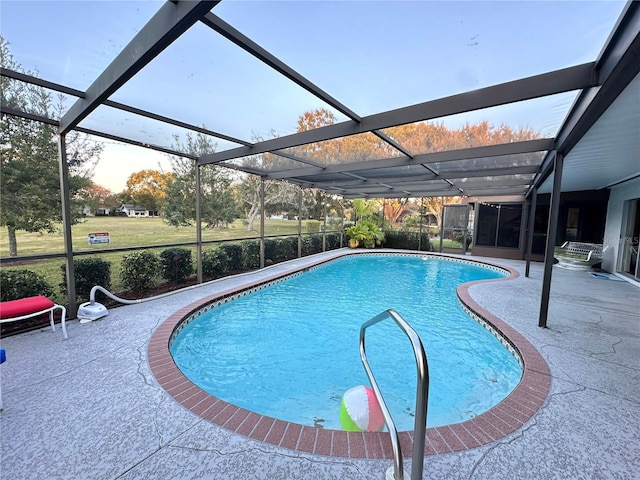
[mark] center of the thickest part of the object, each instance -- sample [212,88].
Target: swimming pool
[506,417]
[290,351]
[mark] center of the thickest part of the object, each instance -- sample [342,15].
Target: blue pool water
[291,350]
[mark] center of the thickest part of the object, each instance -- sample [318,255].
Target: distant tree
[30,188]
[218,207]
[124,197]
[395,207]
[433,206]
[96,196]
[148,188]
[364,208]
[276,192]
[361,147]
[417,138]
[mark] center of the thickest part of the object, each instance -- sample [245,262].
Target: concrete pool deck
[89,406]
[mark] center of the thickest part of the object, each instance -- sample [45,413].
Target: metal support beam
[441,221]
[23,77]
[300,224]
[172,20]
[7,110]
[421,219]
[559,81]
[552,229]
[223,28]
[514,148]
[341,224]
[464,239]
[324,222]
[198,225]
[530,227]
[66,226]
[262,217]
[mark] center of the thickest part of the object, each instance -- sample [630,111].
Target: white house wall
[613,229]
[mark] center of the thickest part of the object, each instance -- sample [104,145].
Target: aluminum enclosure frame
[599,84]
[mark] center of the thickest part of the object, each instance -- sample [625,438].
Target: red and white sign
[99,237]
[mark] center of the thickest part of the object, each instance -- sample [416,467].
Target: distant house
[131,210]
[99,212]
[103,212]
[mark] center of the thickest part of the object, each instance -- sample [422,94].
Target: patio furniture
[15,310]
[579,255]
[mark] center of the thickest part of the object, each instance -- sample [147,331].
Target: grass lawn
[126,232]
[136,232]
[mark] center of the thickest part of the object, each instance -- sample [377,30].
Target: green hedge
[139,270]
[17,284]
[333,241]
[286,249]
[214,263]
[407,240]
[280,249]
[88,273]
[233,252]
[250,254]
[176,264]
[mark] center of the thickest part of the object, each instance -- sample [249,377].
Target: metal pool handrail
[422,394]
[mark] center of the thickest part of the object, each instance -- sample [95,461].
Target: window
[499,225]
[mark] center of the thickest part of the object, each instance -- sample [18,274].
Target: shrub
[139,270]
[401,239]
[88,273]
[214,263]
[311,244]
[270,250]
[280,249]
[459,237]
[233,252]
[176,264]
[333,241]
[286,248]
[250,254]
[425,243]
[306,245]
[312,226]
[16,284]
[407,240]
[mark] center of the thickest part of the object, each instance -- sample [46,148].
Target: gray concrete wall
[613,229]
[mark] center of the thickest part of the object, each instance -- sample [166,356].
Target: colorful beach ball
[360,411]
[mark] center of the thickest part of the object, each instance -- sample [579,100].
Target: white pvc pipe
[92,294]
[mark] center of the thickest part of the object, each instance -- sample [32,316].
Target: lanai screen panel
[71,42]
[377,56]
[521,121]
[221,87]
[200,69]
[351,149]
[147,130]
[263,163]
[480,165]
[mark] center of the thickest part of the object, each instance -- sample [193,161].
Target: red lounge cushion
[24,306]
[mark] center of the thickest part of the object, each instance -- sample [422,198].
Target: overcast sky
[372,56]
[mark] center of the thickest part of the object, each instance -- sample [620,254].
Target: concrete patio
[89,407]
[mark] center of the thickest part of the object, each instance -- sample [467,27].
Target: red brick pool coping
[498,422]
